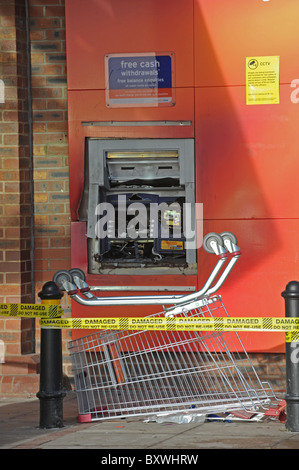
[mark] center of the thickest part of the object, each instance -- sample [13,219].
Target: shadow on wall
[235,144]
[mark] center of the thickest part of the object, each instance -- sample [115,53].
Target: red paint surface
[246,156]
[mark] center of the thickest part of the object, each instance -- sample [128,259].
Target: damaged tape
[290,325]
[30,310]
[292,337]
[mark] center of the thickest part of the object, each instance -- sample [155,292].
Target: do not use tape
[177,324]
[30,310]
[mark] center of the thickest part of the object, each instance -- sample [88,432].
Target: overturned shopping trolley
[124,373]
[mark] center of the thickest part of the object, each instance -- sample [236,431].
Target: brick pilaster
[15,190]
[40,164]
[50,140]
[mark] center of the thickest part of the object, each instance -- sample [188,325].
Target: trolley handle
[74,281]
[142,300]
[189,304]
[230,243]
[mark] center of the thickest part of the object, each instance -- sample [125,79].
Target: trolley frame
[124,373]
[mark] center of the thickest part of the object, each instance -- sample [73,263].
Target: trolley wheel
[62,276]
[78,273]
[229,236]
[208,239]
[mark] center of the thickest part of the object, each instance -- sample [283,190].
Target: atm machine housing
[157,174]
[238,148]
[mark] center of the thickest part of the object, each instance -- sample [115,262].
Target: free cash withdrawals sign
[262,80]
[145,79]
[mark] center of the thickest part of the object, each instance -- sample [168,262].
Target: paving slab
[19,429]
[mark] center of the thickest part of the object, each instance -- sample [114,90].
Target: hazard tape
[30,310]
[292,337]
[290,325]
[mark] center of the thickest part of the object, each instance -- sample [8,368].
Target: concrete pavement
[19,429]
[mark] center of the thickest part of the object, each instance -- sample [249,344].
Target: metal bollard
[291,296]
[51,392]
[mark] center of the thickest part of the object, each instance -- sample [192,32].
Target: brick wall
[15,192]
[27,258]
[50,146]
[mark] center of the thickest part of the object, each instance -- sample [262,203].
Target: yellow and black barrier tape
[30,310]
[275,324]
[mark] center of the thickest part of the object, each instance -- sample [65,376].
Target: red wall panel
[226,32]
[104,27]
[246,156]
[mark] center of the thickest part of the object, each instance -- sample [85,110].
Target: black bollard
[291,296]
[51,392]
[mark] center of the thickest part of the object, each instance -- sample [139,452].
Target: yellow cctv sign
[262,80]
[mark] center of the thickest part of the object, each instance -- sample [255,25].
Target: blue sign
[133,79]
[139,72]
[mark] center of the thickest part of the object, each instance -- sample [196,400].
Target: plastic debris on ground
[178,418]
[277,412]
[243,416]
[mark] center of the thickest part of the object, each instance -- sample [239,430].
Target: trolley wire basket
[122,373]
[125,373]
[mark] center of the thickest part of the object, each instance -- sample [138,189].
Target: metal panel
[228,32]
[100,27]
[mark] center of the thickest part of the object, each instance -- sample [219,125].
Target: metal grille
[125,373]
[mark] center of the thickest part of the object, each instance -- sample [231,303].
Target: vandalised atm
[136,217]
[138,204]
[160,125]
[136,221]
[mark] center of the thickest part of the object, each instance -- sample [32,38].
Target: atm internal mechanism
[134,203]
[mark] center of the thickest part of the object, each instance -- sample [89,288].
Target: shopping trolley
[119,374]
